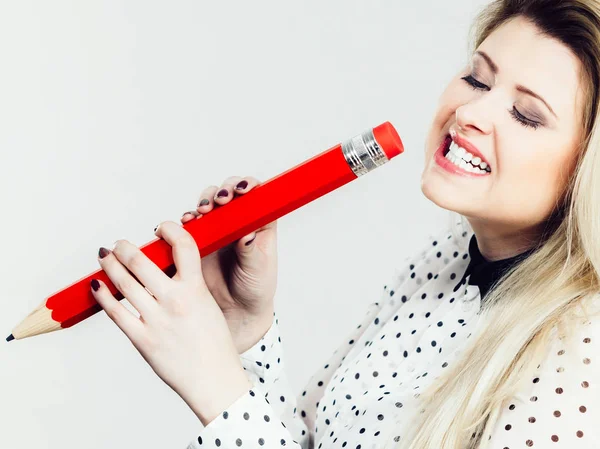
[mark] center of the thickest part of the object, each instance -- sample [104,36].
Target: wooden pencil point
[10,337]
[37,322]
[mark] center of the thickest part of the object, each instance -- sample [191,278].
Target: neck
[497,243]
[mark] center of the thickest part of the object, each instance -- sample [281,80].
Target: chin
[439,193]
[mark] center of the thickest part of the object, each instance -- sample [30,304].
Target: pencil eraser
[389,140]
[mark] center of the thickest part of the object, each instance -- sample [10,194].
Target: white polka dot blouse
[366,391]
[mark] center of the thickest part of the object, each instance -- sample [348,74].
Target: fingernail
[95,285]
[241,185]
[188,212]
[250,241]
[157,225]
[103,252]
[222,193]
[204,202]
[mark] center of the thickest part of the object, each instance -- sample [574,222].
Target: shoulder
[578,347]
[586,325]
[448,243]
[560,402]
[445,249]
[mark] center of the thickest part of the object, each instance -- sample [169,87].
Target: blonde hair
[547,290]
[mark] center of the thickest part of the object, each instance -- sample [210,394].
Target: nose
[474,117]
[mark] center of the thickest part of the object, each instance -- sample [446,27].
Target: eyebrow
[519,87]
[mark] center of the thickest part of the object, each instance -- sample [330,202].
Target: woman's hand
[181,332]
[241,276]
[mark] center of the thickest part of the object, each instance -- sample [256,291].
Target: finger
[252,247]
[251,182]
[225,192]
[206,202]
[186,255]
[245,244]
[131,272]
[189,215]
[116,311]
[208,197]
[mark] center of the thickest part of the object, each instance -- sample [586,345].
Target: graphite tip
[10,337]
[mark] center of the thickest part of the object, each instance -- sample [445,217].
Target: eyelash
[476,85]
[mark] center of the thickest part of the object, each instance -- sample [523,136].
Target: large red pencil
[262,205]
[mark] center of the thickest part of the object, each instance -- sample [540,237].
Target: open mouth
[458,155]
[447,142]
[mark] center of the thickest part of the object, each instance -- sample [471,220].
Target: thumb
[245,245]
[252,257]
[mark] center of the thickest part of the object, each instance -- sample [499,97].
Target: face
[529,143]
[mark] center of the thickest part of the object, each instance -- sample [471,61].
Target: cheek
[520,164]
[558,170]
[543,165]
[542,174]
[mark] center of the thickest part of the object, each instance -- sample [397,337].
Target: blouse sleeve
[270,415]
[560,407]
[253,420]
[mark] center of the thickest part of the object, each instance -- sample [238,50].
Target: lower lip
[449,166]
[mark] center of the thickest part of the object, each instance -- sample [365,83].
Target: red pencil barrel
[264,204]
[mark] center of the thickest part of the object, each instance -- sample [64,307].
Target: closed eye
[514,112]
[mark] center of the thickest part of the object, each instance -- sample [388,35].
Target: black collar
[484,272]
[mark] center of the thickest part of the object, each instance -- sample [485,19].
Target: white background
[114,115]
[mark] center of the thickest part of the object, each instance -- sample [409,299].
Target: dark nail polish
[250,241]
[241,185]
[103,252]
[204,202]
[155,228]
[222,193]
[95,285]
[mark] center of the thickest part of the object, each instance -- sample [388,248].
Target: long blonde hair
[544,292]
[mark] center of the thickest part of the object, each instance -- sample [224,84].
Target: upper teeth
[460,155]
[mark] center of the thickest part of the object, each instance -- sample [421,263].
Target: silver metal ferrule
[363,153]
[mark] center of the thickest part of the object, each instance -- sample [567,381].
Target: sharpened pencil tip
[10,337]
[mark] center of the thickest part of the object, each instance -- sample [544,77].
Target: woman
[488,337]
